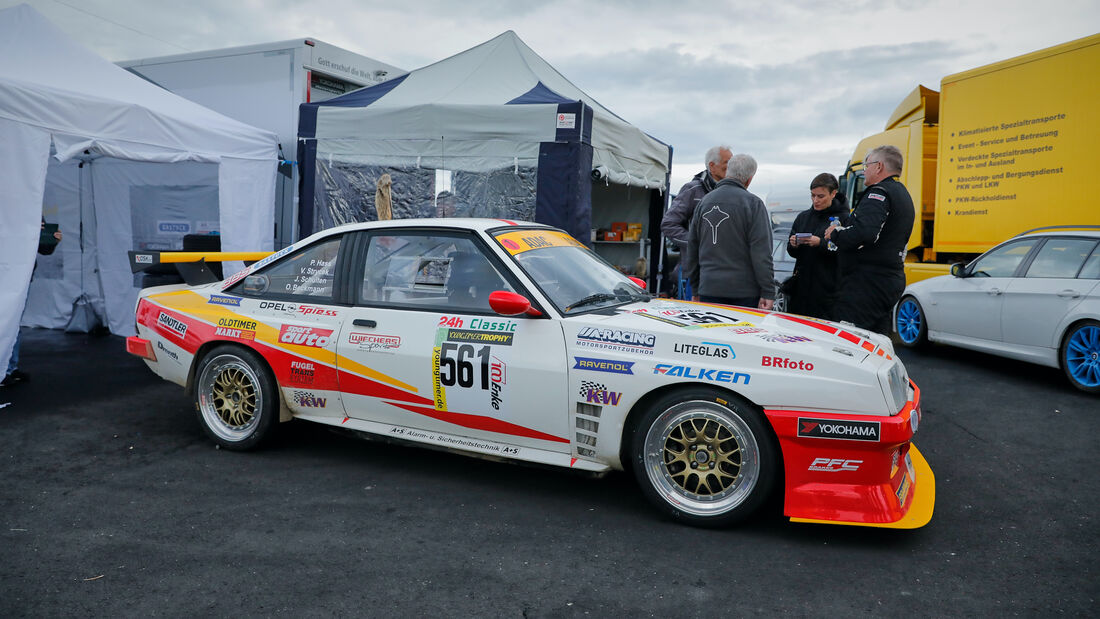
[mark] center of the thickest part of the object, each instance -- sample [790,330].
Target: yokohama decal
[839,429]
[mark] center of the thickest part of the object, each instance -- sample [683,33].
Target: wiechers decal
[834,465]
[839,429]
[616,339]
[597,393]
[374,341]
[603,365]
[685,371]
[306,399]
[302,372]
[176,326]
[786,363]
[304,336]
[706,349]
[222,299]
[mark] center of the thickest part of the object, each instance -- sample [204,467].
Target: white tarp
[464,98]
[55,91]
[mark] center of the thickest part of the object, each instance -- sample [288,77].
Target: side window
[1091,270]
[442,272]
[308,274]
[1061,258]
[1003,261]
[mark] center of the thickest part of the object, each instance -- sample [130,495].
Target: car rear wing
[191,265]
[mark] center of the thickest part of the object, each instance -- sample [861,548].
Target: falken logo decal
[839,429]
[176,326]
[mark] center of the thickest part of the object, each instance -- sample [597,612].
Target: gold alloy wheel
[702,457]
[230,397]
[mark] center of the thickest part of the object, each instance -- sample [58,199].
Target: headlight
[897,386]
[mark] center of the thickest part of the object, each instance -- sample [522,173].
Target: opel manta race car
[512,340]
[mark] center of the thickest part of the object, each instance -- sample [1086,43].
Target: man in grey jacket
[674,225]
[729,249]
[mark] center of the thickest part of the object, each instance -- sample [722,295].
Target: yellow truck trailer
[999,150]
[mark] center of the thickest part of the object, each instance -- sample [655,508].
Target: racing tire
[1080,356]
[911,323]
[236,398]
[704,457]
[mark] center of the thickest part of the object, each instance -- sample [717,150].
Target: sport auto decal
[839,429]
[616,339]
[304,336]
[685,371]
[603,365]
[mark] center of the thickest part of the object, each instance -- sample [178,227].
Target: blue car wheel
[910,324]
[1081,356]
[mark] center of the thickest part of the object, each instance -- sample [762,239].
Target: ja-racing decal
[470,366]
[619,340]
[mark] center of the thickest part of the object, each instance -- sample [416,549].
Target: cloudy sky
[795,83]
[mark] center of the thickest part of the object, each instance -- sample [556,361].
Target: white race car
[506,339]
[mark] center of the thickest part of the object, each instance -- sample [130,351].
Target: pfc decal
[839,429]
[706,349]
[786,364]
[172,354]
[176,326]
[781,338]
[224,299]
[237,328]
[616,339]
[834,465]
[597,393]
[685,371]
[301,372]
[374,341]
[603,365]
[306,399]
[304,336]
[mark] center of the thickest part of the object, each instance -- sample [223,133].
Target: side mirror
[958,269]
[508,303]
[639,281]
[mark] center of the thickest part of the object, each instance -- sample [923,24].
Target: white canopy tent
[138,146]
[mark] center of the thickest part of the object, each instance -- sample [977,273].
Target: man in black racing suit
[872,246]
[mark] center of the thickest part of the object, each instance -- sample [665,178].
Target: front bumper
[855,469]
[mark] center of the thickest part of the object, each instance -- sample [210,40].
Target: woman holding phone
[811,290]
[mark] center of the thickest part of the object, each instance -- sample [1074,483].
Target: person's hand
[829,231]
[57,235]
[695,297]
[814,241]
[794,240]
[766,304]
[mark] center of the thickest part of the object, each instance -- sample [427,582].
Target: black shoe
[15,378]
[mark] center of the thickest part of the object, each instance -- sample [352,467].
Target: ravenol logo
[603,365]
[174,227]
[221,299]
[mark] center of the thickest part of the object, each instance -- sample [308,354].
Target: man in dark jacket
[873,244]
[811,290]
[674,225]
[730,242]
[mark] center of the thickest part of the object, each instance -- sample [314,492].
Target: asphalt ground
[113,503]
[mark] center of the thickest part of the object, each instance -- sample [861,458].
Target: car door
[1035,303]
[422,355]
[969,307]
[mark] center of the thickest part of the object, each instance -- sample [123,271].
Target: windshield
[568,273]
